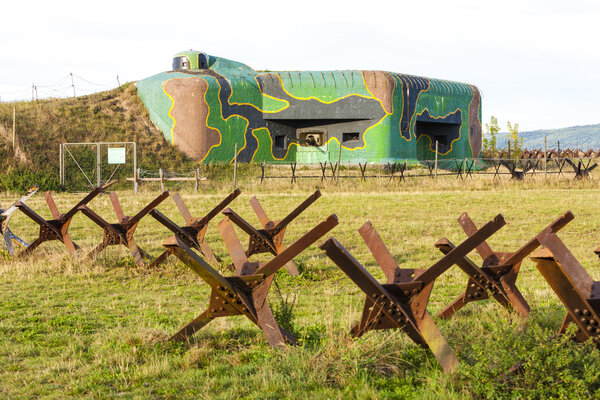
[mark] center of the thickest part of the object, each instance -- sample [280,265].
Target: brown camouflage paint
[191,133]
[381,84]
[474,122]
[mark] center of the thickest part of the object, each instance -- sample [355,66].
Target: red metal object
[192,234]
[578,292]
[121,233]
[57,228]
[270,238]
[402,301]
[245,293]
[498,274]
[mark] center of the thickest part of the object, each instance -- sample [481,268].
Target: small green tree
[489,139]
[514,140]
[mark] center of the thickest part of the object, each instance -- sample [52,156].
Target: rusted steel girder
[579,293]
[512,166]
[57,228]
[192,234]
[5,215]
[270,238]
[498,274]
[245,293]
[402,301]
[121,233]
[581,171]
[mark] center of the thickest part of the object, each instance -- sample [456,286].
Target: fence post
[162,179]
[339,162]
[98,164]
[135,168]
[136,176]
[61,172]
[235,167]
[545,158]
[436,158]
[197,179]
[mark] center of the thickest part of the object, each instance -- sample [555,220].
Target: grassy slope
[70,327]
[116,115]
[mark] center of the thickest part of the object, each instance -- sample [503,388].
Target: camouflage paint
[377,116]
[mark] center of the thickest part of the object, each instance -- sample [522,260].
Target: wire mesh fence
[87,165]
[497,168]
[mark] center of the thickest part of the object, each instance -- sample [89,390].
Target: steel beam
[246,292]
[121,233]
[498,274]
[58,227]
[194,231]
[575,288]
[5,216]
[270,238]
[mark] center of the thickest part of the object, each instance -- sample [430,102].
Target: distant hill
[575,137]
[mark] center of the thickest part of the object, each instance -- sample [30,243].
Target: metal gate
[85,165]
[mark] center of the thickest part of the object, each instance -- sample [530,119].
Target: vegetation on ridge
[113,116]
[582,137]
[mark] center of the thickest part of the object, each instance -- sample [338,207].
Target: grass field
[70,327]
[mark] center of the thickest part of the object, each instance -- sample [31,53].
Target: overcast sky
[537,63]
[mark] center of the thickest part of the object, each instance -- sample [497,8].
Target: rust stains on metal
[194,231]
[121,233]
[246,292]
[498,274]
[270,238]
[58,227]
[402,301]
[575,288]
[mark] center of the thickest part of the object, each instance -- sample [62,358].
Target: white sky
[536,63]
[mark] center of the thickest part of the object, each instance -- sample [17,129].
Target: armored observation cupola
[190,60]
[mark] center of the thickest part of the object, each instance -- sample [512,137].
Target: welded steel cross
[575,288]
[5,215]
[245,293]
[57,228]
[498,274]
[270,238]
[402,301]
[192,234]
[512,166]
[121,233]
[581,170]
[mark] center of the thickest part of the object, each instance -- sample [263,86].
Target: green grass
[76,328]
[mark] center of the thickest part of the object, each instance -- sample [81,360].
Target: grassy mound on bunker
[113,116]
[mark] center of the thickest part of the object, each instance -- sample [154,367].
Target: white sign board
[116,155]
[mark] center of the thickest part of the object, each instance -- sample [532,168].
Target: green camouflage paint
[210,104]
